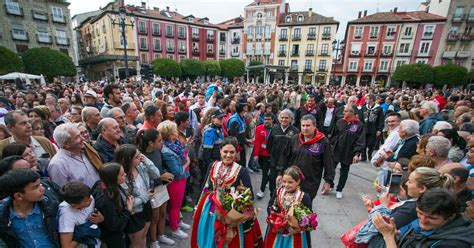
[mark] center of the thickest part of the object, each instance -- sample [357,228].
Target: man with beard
[309,108]
[374,121]
[312,152]
[114,99]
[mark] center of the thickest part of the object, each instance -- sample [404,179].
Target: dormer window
[288,19]
[259,15]
[300,18]
[190,19]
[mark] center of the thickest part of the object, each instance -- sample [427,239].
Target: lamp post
[121,21]
[337,45]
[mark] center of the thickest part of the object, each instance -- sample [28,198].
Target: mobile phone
[395,181]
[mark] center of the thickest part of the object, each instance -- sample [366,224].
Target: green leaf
[9,61]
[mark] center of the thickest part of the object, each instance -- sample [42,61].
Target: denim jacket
[174,163]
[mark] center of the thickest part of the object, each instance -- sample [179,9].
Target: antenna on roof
[378,4]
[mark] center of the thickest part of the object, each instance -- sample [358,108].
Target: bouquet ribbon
[220,228]
[278,221]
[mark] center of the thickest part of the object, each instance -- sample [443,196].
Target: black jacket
[105,149]
[373,118]
[49,208]
[278,140]
[302,111]
[313,157]
[408,149]
[348,139]
[334,119]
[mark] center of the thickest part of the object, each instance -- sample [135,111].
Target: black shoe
[254,170]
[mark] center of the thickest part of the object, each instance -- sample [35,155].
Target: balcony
[309,53]
[281,54]
[308,70]
[470,18]
[156,32]
[427,35]
[196,52]
[357,36]
[370,69]
[169,34]
[143,47]
[326,36]
[373,36]
[386,54]
[45,39]
[235,40]
[195,37]
[181,36]
[311,36]
[210,53]
[352,69]
[466,37]
[210,39]
[62,41]
[235,54]
[449,54]
[453,37]
[322,69]
[404,53]
[157,48]
[458,18]
[295,53]
[170,49]
[142,30]
[324,53]
[182,50]
[42,16]
[371,54]
[13,9]
[250,52]
[20,35]
[463,54]
[58,19]
[424,54]
[296,37]
[221,52]
[283,38]
[354,54]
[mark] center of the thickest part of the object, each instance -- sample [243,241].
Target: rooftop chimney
[310,12]
[360,14]
[365,13]
[143,5]
[168,8]
[156,9]
[395,10]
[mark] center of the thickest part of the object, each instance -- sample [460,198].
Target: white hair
[440,145]
[86,112]
[286,112]
[112,112]
[411,127]
[62,133]
[430,106]
[440,125]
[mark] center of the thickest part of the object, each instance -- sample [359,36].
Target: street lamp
[337,45]
[121,21]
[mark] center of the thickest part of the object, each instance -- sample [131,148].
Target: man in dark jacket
[374,123]
[109,139]
[329,117]
[406,147]
[348,140]
[313,153]
[27,215]
[309,108]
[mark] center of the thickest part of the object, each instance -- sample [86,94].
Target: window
[308,64]
[458,14]
[327,31]
[123,41]
[249,48]
[269,13]
[383,65]
[169,30]
[103,26]
[222,36]
[368,65]
[295,50]
[195,47]
[358,32]
[325,49]
[267,48]
[408,32]
[471,14]
[157,44]
[182,46]
[355,49]
[312,33]
[210,48]
[283,33]
[288,19]
[156,29]
[404,48]
[195,33]
[428,33]
[401,62]
[310,49]
[374,32]
[322,65]
[169,45]
[142,27]
[250,32]
[40,15]
[210,35]
[300,19]
[259,31]
[297,33]
[170,56]
[143,43]
[424,47]
[258,48]
[281,62]
[61,37]
[157,55]
[387,49]
[371,49]
[221,49]
[13,7]
[268,32]
[282,49]
[43,35]
[235,50]
[391,32]
[294,65]
[57,14]
[181,32]
[352,65]
[422,61]
[144,58]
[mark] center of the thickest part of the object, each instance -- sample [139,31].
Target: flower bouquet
[303,218]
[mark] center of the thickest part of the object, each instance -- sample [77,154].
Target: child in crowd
[77,217]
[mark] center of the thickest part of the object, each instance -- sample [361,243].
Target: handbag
[348,238]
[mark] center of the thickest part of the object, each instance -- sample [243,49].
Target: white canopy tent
[25,76]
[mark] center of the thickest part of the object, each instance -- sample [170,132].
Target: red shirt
[260,143]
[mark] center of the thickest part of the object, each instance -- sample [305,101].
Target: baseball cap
[91,93]
[218,114]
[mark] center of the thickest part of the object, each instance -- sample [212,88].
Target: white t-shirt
[69,217]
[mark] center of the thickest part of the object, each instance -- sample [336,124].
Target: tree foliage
[166,68]
[450,74]
[192,68]
[414,73]
[256,72]
[48,62]
[9,61]
[213,68]
[231,68]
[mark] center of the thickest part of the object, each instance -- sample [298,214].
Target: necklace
[223,174]
[288,199]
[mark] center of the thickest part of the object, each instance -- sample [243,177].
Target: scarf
[349,120]
[317,137]
[308,108]
[178,148]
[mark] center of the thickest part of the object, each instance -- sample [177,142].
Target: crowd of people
[101,164]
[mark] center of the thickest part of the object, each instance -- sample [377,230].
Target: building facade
[234,29]
[41,23]
[377,44]
[304,43]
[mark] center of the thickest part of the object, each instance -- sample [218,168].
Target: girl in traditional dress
[209,230]
[287,195]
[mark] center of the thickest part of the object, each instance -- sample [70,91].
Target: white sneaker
[179,234]
[184,226]
[165,240]
[155,244]
[260,195]
[338,194]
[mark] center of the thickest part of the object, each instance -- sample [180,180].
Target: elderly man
[19,126]
[109,139]
[406,147]
[153,117]
[393,123]
[128,132]
[76,160]
[131,113]
[313,153]
[91,117]
[429,113]
[91,100]
[438,149]
[329,119]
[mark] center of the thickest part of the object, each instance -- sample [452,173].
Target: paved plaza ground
[335,216]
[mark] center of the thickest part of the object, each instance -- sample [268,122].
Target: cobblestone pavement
[335,216]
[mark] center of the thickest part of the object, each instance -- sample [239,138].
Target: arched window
[300,18]
[259,15]
[288,19]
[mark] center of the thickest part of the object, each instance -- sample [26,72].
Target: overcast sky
[221,10]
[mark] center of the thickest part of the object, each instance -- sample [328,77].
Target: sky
[221,10]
